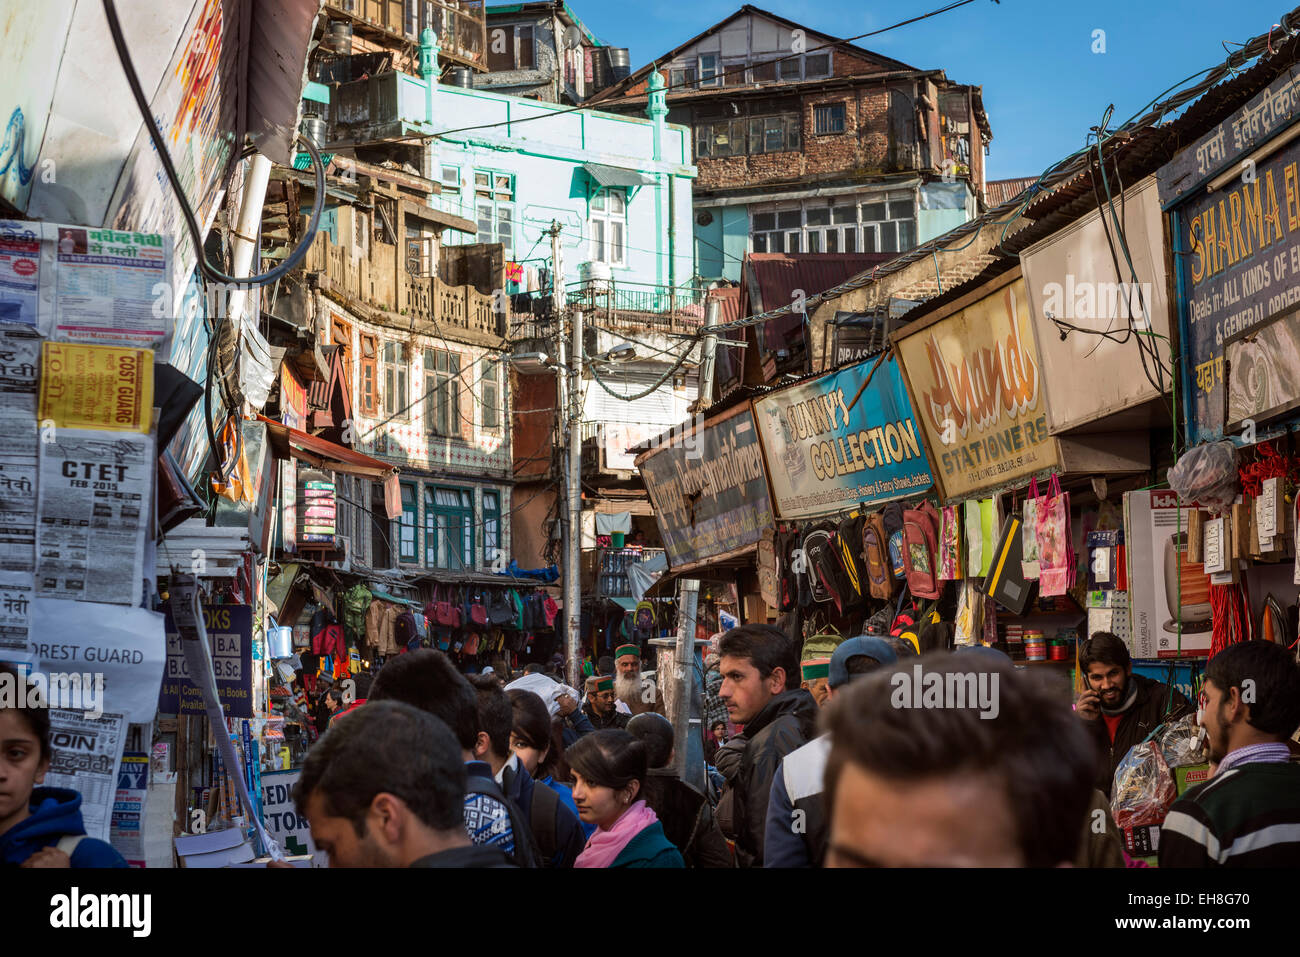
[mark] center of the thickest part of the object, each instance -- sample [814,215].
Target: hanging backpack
[828,579]
[848,548]
[787,540]
[921,551]
[477,610]
[500,611]
[880,579]
[893,521]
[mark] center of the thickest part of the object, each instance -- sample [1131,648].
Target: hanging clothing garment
[380,618]
[354,603]
[327,635]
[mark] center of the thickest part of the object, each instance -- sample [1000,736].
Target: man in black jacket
[757,663]
[1118,707]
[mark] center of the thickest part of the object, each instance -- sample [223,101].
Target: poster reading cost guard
[230,633]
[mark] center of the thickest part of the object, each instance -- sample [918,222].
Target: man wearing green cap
[599,707]
[816,672]
[638,694]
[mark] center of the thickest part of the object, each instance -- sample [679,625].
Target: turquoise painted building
[619,186]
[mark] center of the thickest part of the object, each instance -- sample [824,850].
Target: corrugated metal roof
[770,281]
[999,191]
[728,302]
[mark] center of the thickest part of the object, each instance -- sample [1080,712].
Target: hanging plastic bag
[970,614]
[1207,475]
[231,480]
[1144,787]
[1029,533]
[1056,559]
[974,537]
[1183,742]
[949,545]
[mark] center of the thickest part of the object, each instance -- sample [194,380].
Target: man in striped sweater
[1248,814]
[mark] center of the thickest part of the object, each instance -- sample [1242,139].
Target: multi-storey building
[543,51]
[806,144]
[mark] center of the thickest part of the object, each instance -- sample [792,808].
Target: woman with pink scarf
[609,770]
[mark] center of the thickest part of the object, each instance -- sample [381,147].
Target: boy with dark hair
[902,777]
[1248,814]
[426,679]
[386,788]
[555,827]
[760,674]
[1119,708]
[39,826]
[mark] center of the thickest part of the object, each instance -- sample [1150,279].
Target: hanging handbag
[1029,533]
[949,544]
[444,612]
[1055,548]
[478,611]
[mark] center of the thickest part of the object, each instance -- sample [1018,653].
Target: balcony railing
[636,305]
[461,25]
[378,282]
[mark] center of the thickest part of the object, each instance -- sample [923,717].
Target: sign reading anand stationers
[976,382]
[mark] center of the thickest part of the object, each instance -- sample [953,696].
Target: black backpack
[526,852]
[848,548]
[786,541]
[543,815]
[829,581]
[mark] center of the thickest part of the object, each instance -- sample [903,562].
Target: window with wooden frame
[395,380]
[511,48]
[368,387]
[442,415]
[490,393]
[448,527]
[828,118]
[491,525]
[408,545]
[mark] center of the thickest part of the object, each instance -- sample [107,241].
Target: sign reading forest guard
[977,383]
[230,633]
[708,489]
[824,456]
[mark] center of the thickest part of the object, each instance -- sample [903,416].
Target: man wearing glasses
[1248,814]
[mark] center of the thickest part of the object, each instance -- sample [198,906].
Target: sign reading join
[230,633]
[824,457]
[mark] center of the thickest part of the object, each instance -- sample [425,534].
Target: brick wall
[863,149]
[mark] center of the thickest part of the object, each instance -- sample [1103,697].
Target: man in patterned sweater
[1248,814]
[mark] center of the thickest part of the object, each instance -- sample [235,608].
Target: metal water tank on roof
[620,64]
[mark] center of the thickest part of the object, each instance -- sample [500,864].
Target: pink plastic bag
[1056,561]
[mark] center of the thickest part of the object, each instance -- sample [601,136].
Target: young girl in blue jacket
[39,826]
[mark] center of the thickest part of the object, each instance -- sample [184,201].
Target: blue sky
[1043,85]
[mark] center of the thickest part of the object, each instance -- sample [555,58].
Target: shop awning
[722,568]
[617,176]
[293,443]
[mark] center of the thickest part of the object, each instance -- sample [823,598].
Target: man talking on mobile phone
[1118,707]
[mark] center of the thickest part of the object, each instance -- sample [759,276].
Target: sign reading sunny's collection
[827,452]
[978,383]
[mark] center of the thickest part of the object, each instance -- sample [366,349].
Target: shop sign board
[230,634]
[976,382]
[1237,248]
[708,488]
[1076,293]
[825,457]
[283,822]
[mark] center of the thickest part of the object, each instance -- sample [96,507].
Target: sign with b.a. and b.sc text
[230,635]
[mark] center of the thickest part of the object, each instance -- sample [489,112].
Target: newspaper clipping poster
[84,755]
[101,286]
[126,829]
[96,387]
[92,515]
[20,355]
[15,609]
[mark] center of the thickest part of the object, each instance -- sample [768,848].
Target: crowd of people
[871,757]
